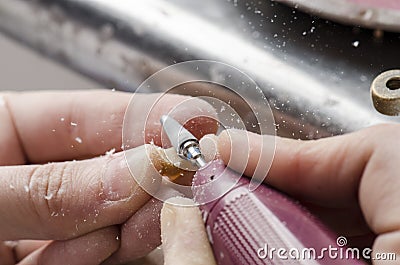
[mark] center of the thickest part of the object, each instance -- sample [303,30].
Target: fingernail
[209,147]
[118,183]
[233,146]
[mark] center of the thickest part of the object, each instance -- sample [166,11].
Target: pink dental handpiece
[263,226]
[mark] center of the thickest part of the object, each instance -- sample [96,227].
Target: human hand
[75,207]
[350,181]
[183,234]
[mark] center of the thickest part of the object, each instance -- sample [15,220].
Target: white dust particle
[110,152]
[12,187]
[62,119]
[48,197]
[74,124]
[363,78]
[78,139]
[54,130]
[26,188]
[113,90]
[356,43]
[222,109]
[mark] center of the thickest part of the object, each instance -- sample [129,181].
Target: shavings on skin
[48,197]
[110,152]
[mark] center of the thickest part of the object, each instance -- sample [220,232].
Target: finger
[141,233]
[64,200]
[25,247]
[380,184]
[72,125]
[325,171]
[11,252]
[7,256]
[92,248]
[11,152]
[386,249]
[183,234]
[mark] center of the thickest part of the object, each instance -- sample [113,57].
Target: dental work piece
[263,226]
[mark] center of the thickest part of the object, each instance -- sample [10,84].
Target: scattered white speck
[74,124]
[54,130]
[48,197]
[26,188]
[78,139]
[222,109]
[113,90]
[356,43]
[62,119]
[256,34]
[110,152]
[12,187]
[363,78]
[304,33]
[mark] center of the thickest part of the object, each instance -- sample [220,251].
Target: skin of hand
[83,211]
[350,181]
[183,235]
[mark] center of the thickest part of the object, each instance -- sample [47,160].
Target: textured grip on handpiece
[243,226]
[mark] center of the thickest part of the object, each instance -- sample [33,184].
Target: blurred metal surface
[316,74]
[374,14]
[24,69]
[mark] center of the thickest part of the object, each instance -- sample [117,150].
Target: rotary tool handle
[260,227]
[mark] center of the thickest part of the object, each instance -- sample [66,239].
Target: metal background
[375,14]
[315,73]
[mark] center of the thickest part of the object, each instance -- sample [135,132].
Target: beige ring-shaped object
[385,92]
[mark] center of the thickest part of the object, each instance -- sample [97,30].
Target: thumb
[183,234]
[65,200]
